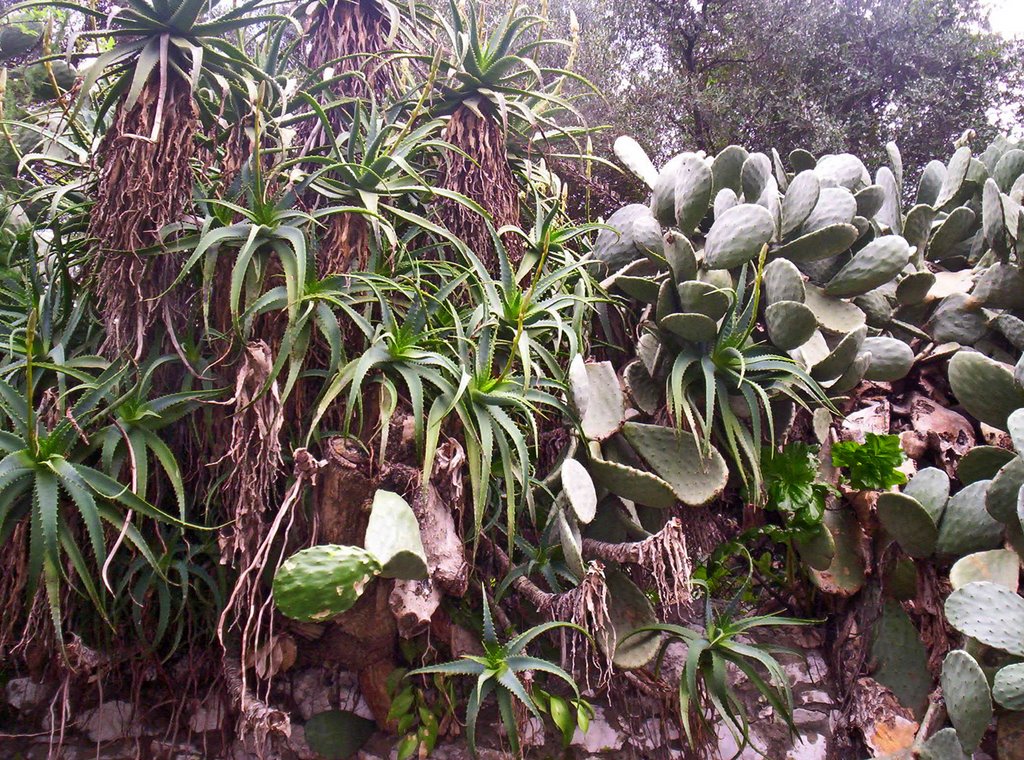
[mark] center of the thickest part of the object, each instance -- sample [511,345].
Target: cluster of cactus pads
[810,261]
[870,275]
[985,678]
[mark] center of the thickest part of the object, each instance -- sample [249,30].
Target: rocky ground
[114,730]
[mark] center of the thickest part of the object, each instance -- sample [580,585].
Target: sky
[1008,17]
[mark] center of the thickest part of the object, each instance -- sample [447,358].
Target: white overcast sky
[1008,17]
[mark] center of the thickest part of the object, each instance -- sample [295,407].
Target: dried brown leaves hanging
[662,555]
[484,176]
[351,35]
[254,455]
[145,182]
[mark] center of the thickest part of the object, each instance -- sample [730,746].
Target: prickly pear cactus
[1008,687]
[990,613]
[393,537]
[967,696]
[323,581]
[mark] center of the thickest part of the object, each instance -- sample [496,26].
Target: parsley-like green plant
[872,465]
[497,671]
[711,650]
[792,485]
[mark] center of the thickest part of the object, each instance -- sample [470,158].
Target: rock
[809,746]
[297,744]
[808,719]
[532,733]
[601,736]
[311,693]
[110,721]
[25,695]
[207,717]
[654,735]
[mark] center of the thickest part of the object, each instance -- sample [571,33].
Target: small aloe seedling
[497,671]
[718,645]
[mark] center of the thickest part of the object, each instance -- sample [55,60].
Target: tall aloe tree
[163,52]
[490,80]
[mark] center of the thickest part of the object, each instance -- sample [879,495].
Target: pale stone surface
[601,736]
[25,695]
[110,721]
[207,717]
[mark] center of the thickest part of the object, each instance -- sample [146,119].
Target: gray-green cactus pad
[630,483]
[697,328]
[990,613]
[695,477]
[930,487]
[966,525]
[579,490]
[834,314]
[943,745]
[692,192]
[393,537]
[901,661]
[891,358]
[908,522]
[874,265]
[1008,688]
[982,463]
[1001,498]
[782,281]
[821,244]
[967,696]
[628,609]
[790,324]
[737,236]
[985,387]
[1000,566]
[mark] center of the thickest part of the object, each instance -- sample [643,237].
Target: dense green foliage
[311,356]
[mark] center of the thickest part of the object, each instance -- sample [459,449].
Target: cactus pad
[598,397]
[628,609]
[790,324]
[579,490]
[692,192]
[874,265]
[1008,688]
[943,745]
[697,328]
[695,477]
[323,581]
[901,661]
[1000,566]
[834,314]
[800,200]
[891,358]
[1001,498]
[990,613]
[930,487]
[985,387]
[726,169]
[982,463]
[629,482]
[835,206]
[908,522]
[967,696]
[782,281]
[737,236]
[393,537]
[967,526]
[820,244]
[704,298]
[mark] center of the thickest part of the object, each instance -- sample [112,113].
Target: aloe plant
[497,671]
